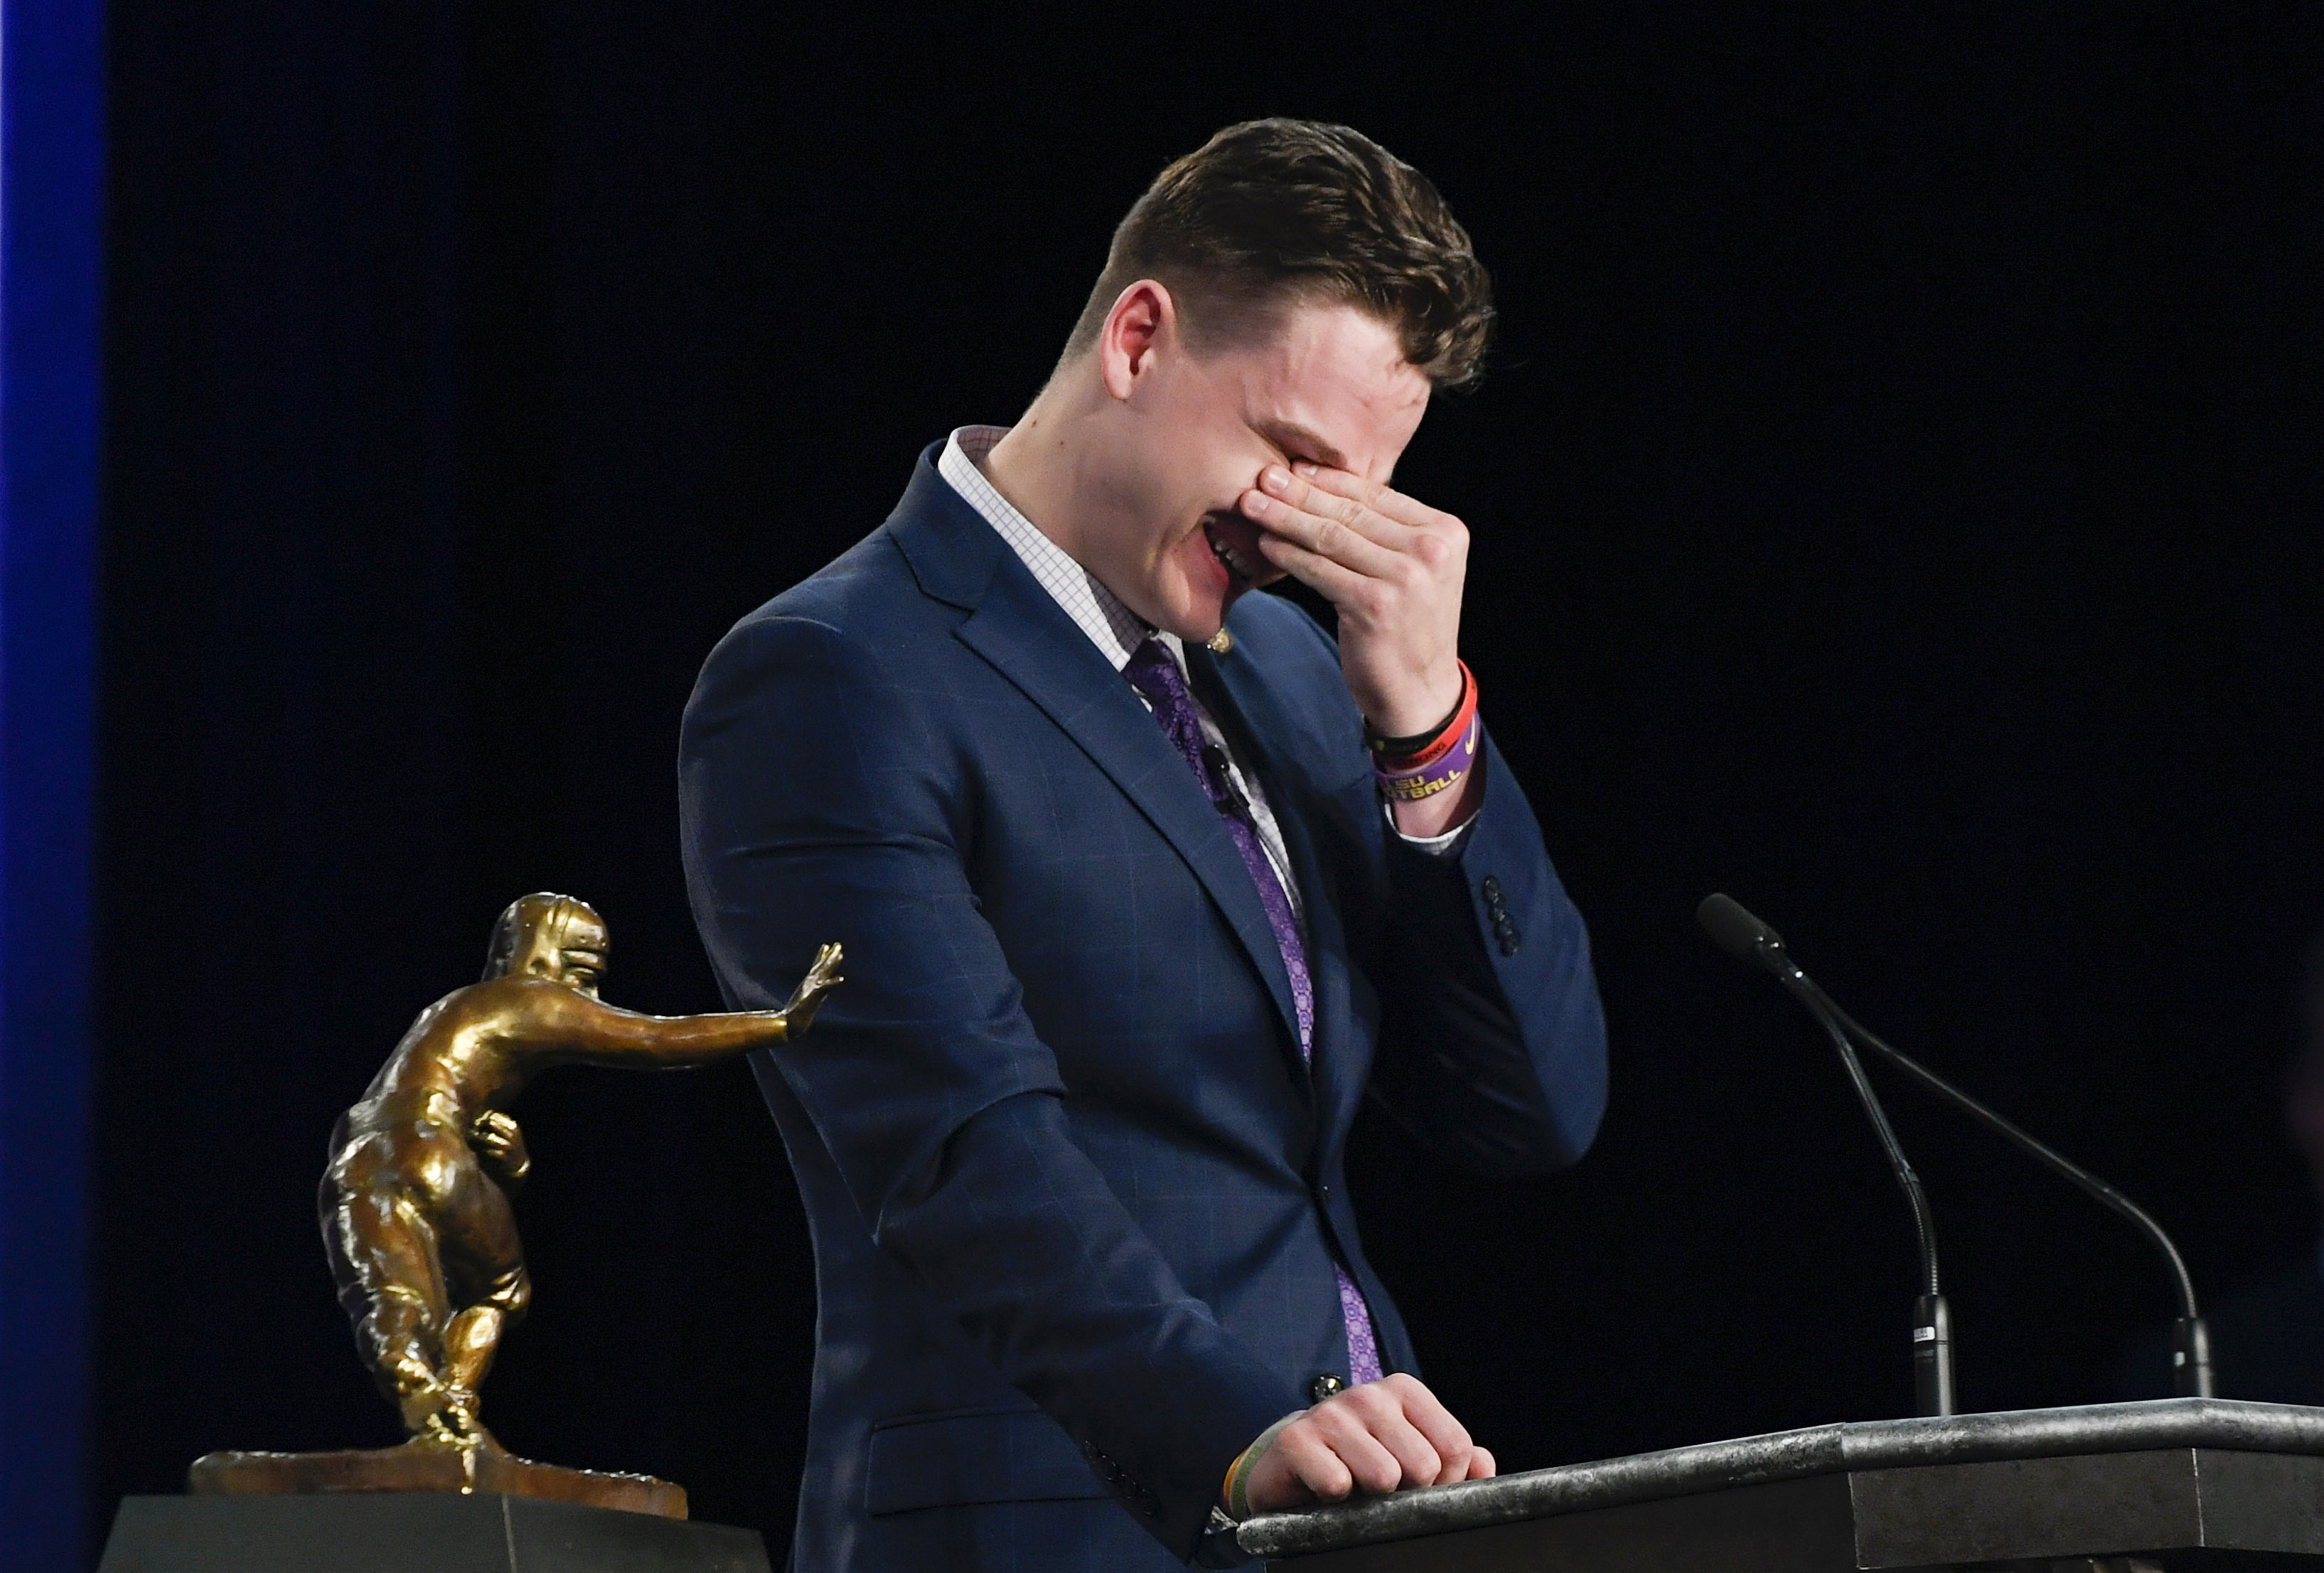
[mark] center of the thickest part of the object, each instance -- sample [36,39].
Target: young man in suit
[1143,880]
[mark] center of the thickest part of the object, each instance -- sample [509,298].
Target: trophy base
[428,1466]
[413,1532]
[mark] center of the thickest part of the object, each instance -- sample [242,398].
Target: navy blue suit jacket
[1076,1199]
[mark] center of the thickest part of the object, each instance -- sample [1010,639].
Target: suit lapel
[1019,627]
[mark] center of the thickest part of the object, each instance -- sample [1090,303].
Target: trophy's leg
[485,1261]
[383,1251]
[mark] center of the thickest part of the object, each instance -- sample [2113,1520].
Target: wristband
[1446,770]
[1236,1492]
[1423,746]
[1441,761]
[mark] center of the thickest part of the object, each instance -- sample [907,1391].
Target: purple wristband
[1446,769]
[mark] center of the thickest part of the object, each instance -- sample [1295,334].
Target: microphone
[1742,934]
[1746,936]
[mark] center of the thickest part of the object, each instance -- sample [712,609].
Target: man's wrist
[1409,770]
[1234,1495]
[1379,741]
[1431,843]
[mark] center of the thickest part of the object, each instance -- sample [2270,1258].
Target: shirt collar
[1096,611]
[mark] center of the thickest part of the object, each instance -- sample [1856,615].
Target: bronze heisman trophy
[415,1203]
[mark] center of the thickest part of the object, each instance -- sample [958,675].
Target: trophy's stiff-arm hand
[822,978]
[591,1032]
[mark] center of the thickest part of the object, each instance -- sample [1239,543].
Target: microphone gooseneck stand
[2191,1357]
[1740,932]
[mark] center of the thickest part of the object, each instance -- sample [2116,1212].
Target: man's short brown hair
[1276,213]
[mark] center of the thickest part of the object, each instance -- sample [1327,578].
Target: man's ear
[1142,319]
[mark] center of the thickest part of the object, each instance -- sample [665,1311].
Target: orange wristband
[1409,753]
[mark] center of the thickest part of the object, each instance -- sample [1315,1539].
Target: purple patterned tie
[1153,673]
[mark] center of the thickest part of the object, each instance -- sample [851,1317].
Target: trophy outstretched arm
[595,1033]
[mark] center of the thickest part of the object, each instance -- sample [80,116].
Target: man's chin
[1235,592]
[1193,628]
[1200,625]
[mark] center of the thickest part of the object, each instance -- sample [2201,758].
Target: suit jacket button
[1493,890]
[1323,1387]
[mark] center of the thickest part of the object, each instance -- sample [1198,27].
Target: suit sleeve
[822,800]
[1495,1048]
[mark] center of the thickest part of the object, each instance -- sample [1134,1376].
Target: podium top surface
[1827,1449]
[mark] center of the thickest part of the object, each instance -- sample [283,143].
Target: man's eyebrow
[1288,435]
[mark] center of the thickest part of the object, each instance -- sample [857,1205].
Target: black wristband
[1400,747]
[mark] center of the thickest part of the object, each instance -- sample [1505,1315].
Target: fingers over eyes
[1334,581]
[1384,501]
[1347,535]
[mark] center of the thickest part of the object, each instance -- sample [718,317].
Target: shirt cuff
[1443,846]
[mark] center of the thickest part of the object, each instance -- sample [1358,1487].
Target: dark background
[1894,503]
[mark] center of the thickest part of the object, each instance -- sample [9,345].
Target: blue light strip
[51,221]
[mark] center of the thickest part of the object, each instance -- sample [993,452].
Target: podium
[2184,1484]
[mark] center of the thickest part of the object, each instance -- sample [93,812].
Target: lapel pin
[1221,642]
